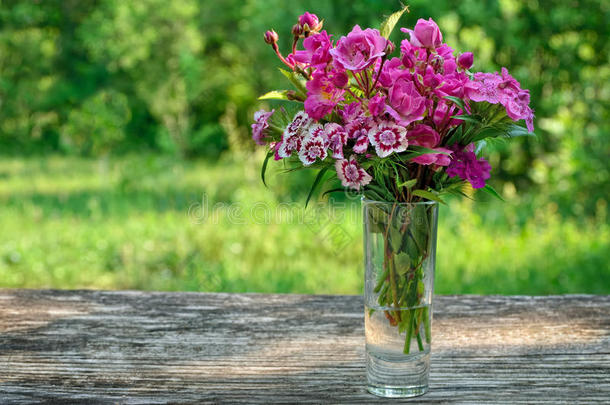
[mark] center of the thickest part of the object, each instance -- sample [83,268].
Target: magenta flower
[405,103]
[313,146]
[351,111]
[322,94]
[387,138]
[359,49]
[260,125]
[391,70]
[293,135]
[423,135]
[317,51]
[351,174]
[465,164]
[439,159]
[426,34]
[336,137]
[377,104]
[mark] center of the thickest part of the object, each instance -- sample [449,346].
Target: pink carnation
[351,174]
[359,49]
[337,138]
[293,135]
[387,138]
[313,145]
[260,125]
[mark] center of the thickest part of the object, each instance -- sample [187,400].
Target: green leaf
[295,80]
[315,184]
[515,130]
[467,118]
[490,190]
[429,195]
[335,190]
[275,95]
[403,262]
[264,168]
[421,150]
[395,238]
[388,25]
[455,136]
[457,101]
[408,184]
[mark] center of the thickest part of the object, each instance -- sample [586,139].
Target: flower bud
[308,21]
[408,61]
[425,34]
[465,60]
[297,30]
[437,62]
[389,47]
[271,37]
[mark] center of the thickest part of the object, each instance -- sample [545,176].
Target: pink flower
[359,49]
[465,164]
[358,128]
[439,159]
[377,104]
[322,95]
[405,103]
[317,51]
[293,135]
[442,115]
[361,145]
[391,70]
[466,60]
[351,174]
[337,137]
[313,146]
[387,138]
[453,85]
[423,135]
[426,34]
[351,111]
[484,87]
[260,125]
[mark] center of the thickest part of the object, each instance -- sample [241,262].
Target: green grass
[137,222]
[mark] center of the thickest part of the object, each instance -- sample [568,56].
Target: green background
[126,159]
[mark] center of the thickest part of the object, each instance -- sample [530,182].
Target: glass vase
[399,258]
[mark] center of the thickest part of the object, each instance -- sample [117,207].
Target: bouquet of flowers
[397,125]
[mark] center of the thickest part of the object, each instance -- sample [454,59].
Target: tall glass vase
[399,249]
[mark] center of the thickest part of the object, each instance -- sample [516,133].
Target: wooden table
[141,347]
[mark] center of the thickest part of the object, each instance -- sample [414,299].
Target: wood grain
[157,348]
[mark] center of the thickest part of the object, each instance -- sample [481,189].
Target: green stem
[427,325]
[409,321]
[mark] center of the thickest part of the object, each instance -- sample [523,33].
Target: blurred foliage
[182,76]
[156,223]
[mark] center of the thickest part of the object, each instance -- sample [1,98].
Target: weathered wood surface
[151,348]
